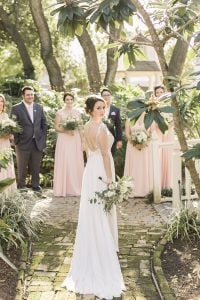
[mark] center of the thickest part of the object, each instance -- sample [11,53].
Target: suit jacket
[36,129]
[115,129]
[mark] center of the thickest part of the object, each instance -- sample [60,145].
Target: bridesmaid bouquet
[116,193]
[9,126]
[70,124]
[140,138]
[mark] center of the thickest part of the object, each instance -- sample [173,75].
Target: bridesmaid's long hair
[90,103]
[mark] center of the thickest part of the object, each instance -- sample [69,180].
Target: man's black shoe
[37,189]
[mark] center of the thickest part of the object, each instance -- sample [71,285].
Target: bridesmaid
[9,172]
[167,152]
[138,163]
[69,163]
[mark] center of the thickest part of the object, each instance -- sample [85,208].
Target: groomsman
[113,114]
[31,141]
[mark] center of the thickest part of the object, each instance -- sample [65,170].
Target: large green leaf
[192,153]
[138,103]
[135,114]
[148,119]
[167,109]
[158,118]
[63,15]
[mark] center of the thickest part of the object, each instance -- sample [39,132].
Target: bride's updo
[90,102]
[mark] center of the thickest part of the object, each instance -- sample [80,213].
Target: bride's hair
[90,102]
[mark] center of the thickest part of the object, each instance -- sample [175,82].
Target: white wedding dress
[95,267]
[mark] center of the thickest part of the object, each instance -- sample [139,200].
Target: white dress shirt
[29,108]
[107,112]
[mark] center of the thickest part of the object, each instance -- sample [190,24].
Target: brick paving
[140,227]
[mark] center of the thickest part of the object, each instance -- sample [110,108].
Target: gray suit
[30,142]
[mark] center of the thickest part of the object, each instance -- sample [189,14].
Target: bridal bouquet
[9,126]
[140,138]
[116,193]
[70,124]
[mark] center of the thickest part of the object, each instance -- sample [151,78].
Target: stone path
[140,227]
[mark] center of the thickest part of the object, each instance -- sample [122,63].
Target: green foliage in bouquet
[9,126]
[70,124]
[116,193]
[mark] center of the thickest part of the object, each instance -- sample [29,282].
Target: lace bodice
[102,127]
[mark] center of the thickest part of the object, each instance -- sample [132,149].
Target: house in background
[145,73]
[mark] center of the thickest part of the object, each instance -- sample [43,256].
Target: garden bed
[181,266]
[8,277]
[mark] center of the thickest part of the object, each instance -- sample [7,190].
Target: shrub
[16,225]
[184,225]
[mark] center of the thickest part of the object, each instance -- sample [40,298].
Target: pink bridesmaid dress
[138,164]
[9,172]
[69,163]
[166,158]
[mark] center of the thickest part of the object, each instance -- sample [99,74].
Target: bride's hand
[109,181]
[106,181]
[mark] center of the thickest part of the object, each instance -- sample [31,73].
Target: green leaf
[192,153]
[6,182]
[126,61]
[55,11]
[137,103]
[135,114]
[198,85]
[158,118]
[148,119]
[167,109]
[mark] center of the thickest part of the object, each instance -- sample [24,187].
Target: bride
[95,267]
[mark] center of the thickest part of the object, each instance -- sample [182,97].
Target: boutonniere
[113,113]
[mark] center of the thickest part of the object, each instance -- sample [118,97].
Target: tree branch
[157,44]
[176,33]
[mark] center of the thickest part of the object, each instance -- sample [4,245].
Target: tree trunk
[176,65]
[16,37]
[174,68]
[112,62]
[92,65]
[53,69]
[178,57]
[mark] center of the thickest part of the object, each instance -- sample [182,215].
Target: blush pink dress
[9,172]
[166,157]
[69,163]
[138,165]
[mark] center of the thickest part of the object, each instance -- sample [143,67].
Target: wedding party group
[95,267]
